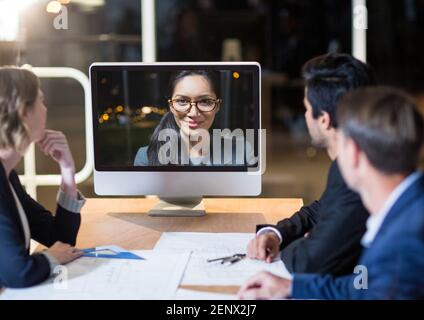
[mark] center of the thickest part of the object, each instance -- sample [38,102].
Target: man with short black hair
[380,137]
[336,222]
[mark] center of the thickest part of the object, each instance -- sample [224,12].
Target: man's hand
[64,253]
[264,247]
[265,286]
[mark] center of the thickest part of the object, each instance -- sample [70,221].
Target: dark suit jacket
[335,225]
[394,261]
[17,267]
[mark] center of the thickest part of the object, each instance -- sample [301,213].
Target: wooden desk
[125,222]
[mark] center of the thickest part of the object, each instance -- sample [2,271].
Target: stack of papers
[156,277]
[179,258]
[204,246]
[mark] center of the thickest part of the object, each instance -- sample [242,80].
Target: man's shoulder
[412,202]
[405,222]
[413,214]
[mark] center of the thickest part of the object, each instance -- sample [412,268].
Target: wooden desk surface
[125,222]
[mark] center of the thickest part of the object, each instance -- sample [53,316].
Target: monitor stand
[178,207]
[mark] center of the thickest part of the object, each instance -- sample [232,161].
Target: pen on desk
[231,259]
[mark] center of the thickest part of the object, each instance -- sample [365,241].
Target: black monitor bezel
[95,68]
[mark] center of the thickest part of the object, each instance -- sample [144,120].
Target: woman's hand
[63,252]
[55,145]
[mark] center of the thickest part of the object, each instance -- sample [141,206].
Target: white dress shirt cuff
[69,203]
[271,229]
[52,262]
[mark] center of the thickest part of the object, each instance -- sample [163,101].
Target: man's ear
[355,152]
[324,120]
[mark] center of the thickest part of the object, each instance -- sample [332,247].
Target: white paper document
[157,277]
[206,246]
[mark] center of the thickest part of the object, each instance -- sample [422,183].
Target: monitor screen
[176,117]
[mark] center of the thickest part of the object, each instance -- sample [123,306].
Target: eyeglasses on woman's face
[183,104]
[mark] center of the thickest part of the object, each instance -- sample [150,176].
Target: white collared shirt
[375,221]
[23,218]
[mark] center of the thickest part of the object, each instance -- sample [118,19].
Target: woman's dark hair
[168,120]
[329,77]
[211,76]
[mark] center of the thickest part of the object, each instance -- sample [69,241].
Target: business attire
[393,259]
[334,226]
[22,218]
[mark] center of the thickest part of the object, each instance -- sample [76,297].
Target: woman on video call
[22,121]
[193,105]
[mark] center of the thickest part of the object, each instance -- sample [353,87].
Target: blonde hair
[18,93]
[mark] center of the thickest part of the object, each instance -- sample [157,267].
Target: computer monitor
[180,131]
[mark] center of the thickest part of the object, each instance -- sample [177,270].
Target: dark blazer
[395,259]
[18,268]
[335,225]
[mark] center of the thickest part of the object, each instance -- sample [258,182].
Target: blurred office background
[280,34]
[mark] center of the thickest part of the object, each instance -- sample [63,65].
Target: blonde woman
[22,121]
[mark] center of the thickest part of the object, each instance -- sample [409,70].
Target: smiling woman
[193,104]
